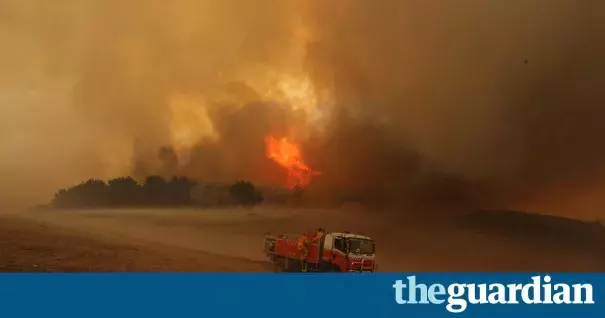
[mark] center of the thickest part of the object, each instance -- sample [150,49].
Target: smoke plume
[479,101]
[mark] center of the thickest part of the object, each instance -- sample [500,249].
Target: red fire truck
[340,252]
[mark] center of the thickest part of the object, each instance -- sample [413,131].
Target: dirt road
[232,240]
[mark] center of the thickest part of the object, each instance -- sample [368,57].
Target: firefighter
[319,238]
[303,250]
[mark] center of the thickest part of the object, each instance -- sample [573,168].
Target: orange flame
[289,156]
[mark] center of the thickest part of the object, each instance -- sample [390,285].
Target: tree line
[155,191]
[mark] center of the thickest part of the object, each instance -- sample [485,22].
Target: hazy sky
[386,96]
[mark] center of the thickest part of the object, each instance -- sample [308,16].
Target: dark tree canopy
[157,191]
[154,190]
[179,191]
[245,193]
[125,191]
[88,194]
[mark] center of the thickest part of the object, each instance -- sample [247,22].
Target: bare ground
[218,240]
[27,246]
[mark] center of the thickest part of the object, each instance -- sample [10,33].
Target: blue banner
[302,295]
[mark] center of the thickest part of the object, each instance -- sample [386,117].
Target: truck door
[339,253]
[326,248]
[328,244]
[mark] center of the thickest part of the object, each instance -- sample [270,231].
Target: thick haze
[498,100]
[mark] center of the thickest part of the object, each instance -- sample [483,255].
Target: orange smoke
[289,156]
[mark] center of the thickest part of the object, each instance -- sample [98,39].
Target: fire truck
[334,252]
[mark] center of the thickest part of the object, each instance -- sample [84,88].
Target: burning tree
[289,156]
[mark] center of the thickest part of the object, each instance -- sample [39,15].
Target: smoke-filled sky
[388,98]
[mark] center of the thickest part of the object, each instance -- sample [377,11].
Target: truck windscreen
[361,246]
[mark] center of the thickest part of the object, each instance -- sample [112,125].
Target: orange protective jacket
[303,241]
[318,236]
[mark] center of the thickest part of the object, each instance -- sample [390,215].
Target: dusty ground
[232,240]
[26,246]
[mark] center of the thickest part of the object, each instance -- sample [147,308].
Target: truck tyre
[278,265]
[294,265]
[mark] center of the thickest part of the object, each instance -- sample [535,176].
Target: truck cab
[350,252]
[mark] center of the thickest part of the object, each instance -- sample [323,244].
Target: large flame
[289,156]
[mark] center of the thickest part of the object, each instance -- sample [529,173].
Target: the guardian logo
[459,295]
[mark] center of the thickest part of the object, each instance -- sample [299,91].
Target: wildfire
[289,156]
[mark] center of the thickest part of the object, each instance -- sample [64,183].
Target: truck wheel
[278,265]
[294,266]
[325,267]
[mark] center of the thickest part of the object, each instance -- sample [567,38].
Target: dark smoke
[495,102]
[473,102]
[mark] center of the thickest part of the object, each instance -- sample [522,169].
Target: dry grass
[31,247]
